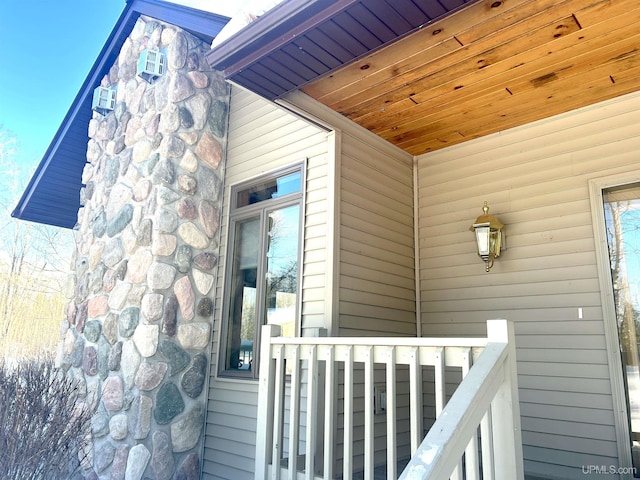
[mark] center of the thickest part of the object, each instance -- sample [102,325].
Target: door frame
[621,419]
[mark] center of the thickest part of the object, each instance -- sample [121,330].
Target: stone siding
[138,325]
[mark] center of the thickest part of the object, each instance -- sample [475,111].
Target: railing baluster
[471,453]
[368,414]
[347,461]
[294,412]
[278,413]
[312,414]
[486,439]
[329,413]
[392,459]
[265,407]
[415,391]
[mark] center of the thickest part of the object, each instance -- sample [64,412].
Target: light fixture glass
[104,100]
[152,64]
[488,230]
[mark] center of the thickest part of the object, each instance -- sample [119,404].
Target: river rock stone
[140,417]
[187,209]
[150,375]
[115,355]
[187,184]
[185,432]
[112,393]
[144,232]
[151,307]
[164,245]
[90,361]
[189,469]
[205,307]
[209,150]
[170,316]
[137,462]
[92,330]
[206,260]
[118,427]
[103,456]
[100,423]
[162,462]
[138,265]
[145,338]
[130,362]
[175,356]
[182,258]
[129,319]
[169,403]
[193,379]
[186,298]
[192,236]
[166,221]
[209,218]
[203,281]
[113,252]
[165,196]
[119,294]
[194,336]
[120,221]
[119,465]
[110,328]
[160,276]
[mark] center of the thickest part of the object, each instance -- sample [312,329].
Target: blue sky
[47,51]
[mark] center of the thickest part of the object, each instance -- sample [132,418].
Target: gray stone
[193,379]
[150,375]
[81,316]
[137,462]
[151,307]
[186,119]
[170,316]
[90,361]
[180,88]
[144,232]
[189,469]
[160,276]
[119,294]
[185,432]
[111,171]
[100,423]
[162,462]
[187,184]
[206,260]
[140,417]
[115,354]
[121,220]
[198,107]
[166,221]
[177,51]
[169,404]
[205,307]
[170,119]
[194,336]
[130,362]
[92,330]
[95,281]
[100,225]
[218,118]
[113,252]
[165,196]
[146,339]
[103,456]
[172,147]
[183,258]
[118,427]
[104,351]
[110,328]
[164,172]
[112,393]
[149,164]
[78,352]
[119,465]
[209,218]
[175,356]
[210,184]
[128,321]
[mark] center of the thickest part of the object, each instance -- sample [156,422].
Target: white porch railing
[337,407]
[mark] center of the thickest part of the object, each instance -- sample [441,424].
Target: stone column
[138,328]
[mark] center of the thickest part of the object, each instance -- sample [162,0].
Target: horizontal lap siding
[377,271]
[535,179]
[263,138]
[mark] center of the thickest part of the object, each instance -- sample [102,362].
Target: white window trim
[621,420]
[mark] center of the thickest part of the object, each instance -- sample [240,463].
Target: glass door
[622,220]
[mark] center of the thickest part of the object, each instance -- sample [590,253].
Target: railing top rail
[383,341]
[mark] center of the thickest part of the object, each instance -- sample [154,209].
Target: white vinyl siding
[377,274]
[263,138]
[536,181]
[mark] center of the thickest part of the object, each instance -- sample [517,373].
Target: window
[263,266]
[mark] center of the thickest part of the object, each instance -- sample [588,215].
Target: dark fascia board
[205,25]
[270,31]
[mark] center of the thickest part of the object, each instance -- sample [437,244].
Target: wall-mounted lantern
[488,230]
[152,64]
[104,100]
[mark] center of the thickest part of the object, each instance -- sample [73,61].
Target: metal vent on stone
[152,64]
[104,100]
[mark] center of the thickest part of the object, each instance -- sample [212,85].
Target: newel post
[266,394]
[505,408]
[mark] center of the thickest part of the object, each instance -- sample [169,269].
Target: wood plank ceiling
[493,65]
